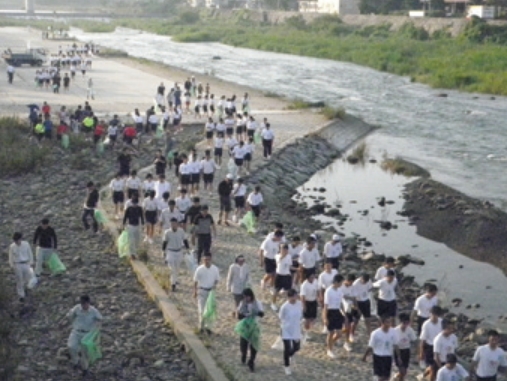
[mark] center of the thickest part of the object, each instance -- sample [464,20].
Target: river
[459,138]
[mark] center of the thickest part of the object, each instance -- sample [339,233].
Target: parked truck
[32,57]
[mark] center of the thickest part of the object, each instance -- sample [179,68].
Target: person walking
[283,277]
[249,307]
[488,358]
[237,279]
[309,293]
[208,170]
[203,227]
[174,241]
[363,288]
[85,318]
[206,278]
[387,305]
[91,203]
[10,73]
[452,370]
[239,193]
[291,314]
[332,313]
[135,217]
[90,93]
[45,241]
[267,252]
[383,346]
[224,192]
[254,202]
[429,331]
[268,138]
[117,187]
[444,344]
[405,336]
[21,261]
[423,305]
[150,207]
[333,250]
[308,258]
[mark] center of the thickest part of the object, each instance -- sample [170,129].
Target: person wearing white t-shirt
[383,345]
[153,122]
[382,270]
[452,371]
[423,305]
[209,128]
[290,316]
[332,313]
[254,201]
[197,107]
[238,153]
[167,214]
[206,278]
[363,288]
[325,280]
[219,148]
[267,252]
[229,126]
[308,258]
[386,305]
[405,336]
[117,187]
[209,167]
[162,186]
[150,207]
[184,171]
[295,248]
[445,343]
[133,185]
[333,250]
[148,184]
[350,308]
[488,358]
[249,150]
[231,143]
[268,138]
[239,194]
[283,279]
[309,293]
[195,174]
[429,331]
[251,127]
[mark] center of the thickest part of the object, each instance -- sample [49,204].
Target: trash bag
[100,147]
[160,130]
[190,262]
[278,344]
[249,221]
[91,345]
[257,138]
[100,217]
[170,156]
[55,264]
[249,329]
[373,305]
[232,168]
[209,316]
[33,280]
[65,141]
[123,244]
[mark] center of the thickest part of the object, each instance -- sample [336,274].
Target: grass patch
[359,154]
[9,353]
[161,275]
[18,151]
[400,166]
[333,113]
[271,94]
[299,104]
[112,53]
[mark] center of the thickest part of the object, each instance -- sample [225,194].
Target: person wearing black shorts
[255,200]
[308,293]
[224,192]
[362,287]
[386,305]
[332,313]
[308,258]
[351,310]
[209,128]
[283,279]
[429,331]
[405,336]
[219,148]
[184,170]
[239,193]
[240,127]
[383,345]
[208,171]
[238,153]
[117,187]
[150,206]
[267,252]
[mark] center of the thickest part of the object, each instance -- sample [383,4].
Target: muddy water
[358,188]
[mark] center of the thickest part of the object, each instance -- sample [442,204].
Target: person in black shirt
[134,216]
[193,211]
[124,160]
[46,242]
[178,159]
[66,82]
[160,163]
[224,192]
[161,89]
[202,227]
[91,203]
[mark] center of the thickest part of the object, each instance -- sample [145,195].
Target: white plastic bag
[33,281]
[278,344]
[190,262]
[373,305]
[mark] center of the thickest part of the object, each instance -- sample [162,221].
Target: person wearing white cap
[333,250]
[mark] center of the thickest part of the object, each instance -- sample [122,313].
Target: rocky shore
[136,343]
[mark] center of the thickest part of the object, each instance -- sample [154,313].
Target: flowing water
[459,138]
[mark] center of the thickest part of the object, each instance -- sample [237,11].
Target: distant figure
[10,73]
[90,93]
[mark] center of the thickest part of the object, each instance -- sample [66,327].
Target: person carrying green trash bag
[88,124]
[249,310]
[206,278]
[85,319]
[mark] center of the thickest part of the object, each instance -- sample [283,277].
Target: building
[339,7]
[309,6]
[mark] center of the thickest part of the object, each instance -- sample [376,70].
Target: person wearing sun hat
[333,250]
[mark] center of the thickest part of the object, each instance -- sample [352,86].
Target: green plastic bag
[123,244]
[249,221]
[209,316]
[257,138]
[100,217]
[100,147]
[55,264]
[91,345]
[65,141]
[170,155]
[250,330]
[160,129]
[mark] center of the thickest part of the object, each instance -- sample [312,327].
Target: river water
[460,139]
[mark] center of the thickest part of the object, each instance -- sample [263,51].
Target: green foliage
[478,30]
[90,26]
[333,113]
[298,104]
[188,17]
[18,151]
[297,22]
[409,30]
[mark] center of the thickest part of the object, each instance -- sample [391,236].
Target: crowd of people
[303,271]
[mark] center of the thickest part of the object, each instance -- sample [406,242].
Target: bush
[18,151]
[189,17]
[409,30]
[334,113]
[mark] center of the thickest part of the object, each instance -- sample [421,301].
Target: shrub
[18,151]
[189,17]
[333,113]
[299,104]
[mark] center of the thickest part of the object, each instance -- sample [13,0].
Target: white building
[339,7]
